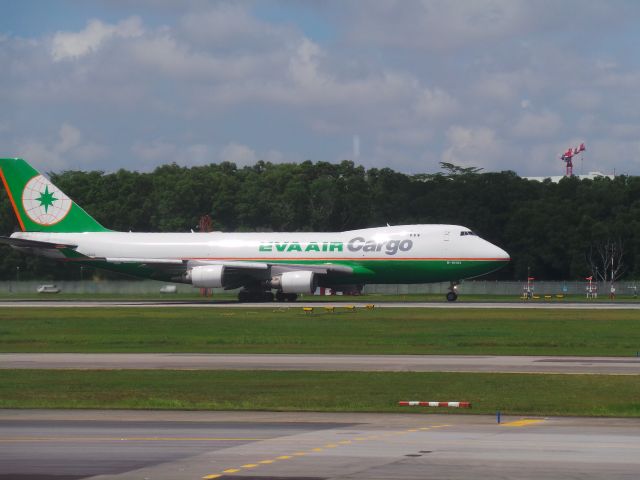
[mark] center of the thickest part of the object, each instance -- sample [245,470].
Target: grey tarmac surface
[157,445]
[319,305]
[383,363]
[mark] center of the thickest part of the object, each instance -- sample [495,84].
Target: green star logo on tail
[43,203]
[46,199]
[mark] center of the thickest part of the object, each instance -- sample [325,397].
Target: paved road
[124,445]
[319,305]
[388,363]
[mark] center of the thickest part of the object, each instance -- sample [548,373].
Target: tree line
[551,230]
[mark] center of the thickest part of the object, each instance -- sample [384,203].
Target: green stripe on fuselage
[407,271]
[364,271]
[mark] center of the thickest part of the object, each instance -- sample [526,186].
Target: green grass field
[381,331]
[514,394]
[378,331]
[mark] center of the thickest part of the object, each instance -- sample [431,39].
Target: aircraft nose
[500,254]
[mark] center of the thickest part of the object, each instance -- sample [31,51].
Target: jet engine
[295,282]
[207,276]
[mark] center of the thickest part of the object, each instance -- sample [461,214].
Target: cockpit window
[464,233]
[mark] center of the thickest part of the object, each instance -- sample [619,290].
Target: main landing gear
[260,296]
[452,294]
[286,297]
[254,296]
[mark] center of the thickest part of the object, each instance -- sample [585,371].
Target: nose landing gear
[452,294]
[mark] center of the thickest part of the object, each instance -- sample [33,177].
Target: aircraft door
[446,242]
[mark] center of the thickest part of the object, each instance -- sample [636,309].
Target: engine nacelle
[207,276]
[298,282]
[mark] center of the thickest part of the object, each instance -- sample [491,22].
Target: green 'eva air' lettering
[39,205]
[312,247]
[298,247]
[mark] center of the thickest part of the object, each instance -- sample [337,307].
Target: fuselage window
[464,233]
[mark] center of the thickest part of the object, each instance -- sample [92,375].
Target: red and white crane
[568,156]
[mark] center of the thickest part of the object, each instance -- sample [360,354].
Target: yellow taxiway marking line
[521,423]
[319,449]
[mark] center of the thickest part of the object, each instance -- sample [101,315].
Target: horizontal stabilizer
[24,243]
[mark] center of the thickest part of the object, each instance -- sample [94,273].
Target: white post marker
[435,404]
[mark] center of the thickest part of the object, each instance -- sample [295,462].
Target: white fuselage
[419,242]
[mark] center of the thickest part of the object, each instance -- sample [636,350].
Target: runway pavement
[124,445]
[319,305]
[383,363]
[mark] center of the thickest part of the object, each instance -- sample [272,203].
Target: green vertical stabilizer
[39,205]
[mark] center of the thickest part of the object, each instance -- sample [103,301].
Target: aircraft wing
[320,268]
[238,272]
[274,268]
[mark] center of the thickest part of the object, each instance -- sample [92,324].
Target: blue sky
[497,84]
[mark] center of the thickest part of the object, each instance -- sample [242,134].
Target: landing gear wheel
[452,297]
[291,297]
[255,296]
[286,297]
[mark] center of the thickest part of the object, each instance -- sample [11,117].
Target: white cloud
[69,138]
[436,103]
[61,153]
[626,130]
[148,155]
[239,154]
[70,45]
[440,24]
[217,25]
[541,125]
[444,25]
[159,151]
[474,146]
[477,82]
[584,100]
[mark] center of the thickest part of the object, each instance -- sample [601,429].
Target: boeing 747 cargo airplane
[259,263]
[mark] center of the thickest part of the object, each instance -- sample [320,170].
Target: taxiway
[124,445]
[381,363]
